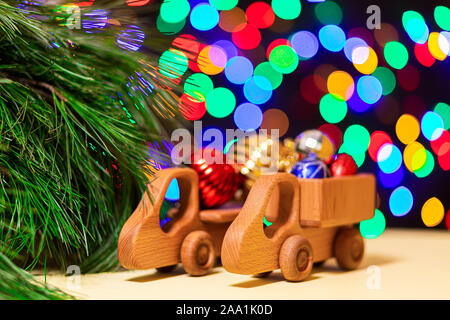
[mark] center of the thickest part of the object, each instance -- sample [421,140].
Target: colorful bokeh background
[382,95]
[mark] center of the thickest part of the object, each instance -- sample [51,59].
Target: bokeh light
[246,38]
[442,17]
[305,44]
[341,84]
[332,38]
[287,9]
[427,167]
[260,14]
[369,89]
[401,201]
[391,180]
[204,17]
[266,70]
[220,102]
[198,85]
[356,138]
[169,28]
[423,54]
[386,78]
[224,4]
[275,119]
[432,212]
[174,11]
[173,63]
[328,12]
[356,50]
[212,60]
[332,109]
[258,89]
[369,65]
[373,228]
[283,59]
[389,158]
[334,133]
[415,26]
[131,38]
[248,117]
[414,156]
[396,54]
[408,77]
[238,70]
[377,140]
[232,20]
[407,128]
[432,125]
[435,48]
[443,110]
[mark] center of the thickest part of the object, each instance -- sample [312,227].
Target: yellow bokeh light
[411,159]
[407,128]
[369,66]
[341,84]
[205,62]
[433,46]
[432,212]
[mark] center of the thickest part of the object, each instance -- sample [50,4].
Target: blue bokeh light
[305,44]
[401,201]
[389,158]
[248,117]
[258,89]
[351,44]
[390,180]
[369,89]
[238,69]
[432,125]
[332,37]
[204,17]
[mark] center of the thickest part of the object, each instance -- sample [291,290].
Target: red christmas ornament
[218,181]
[343,165]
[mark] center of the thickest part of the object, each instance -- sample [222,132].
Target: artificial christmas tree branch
[73,133]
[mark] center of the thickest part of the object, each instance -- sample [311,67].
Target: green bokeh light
[198,85]
[220,102]
[287,9]
[223,4]
[169,28]
[373,228]
[357,138]
[387,79]
[328,12]
[358,157]
[443,110]
[427,168]
[173,64]
[174,11]
[332,109]
[442,17]
[283,59]
[396,54]
[266,70]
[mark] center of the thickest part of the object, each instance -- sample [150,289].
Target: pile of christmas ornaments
[311,155]
[318,158]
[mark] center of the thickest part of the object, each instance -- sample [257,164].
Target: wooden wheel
[197,253]
[296,258]
[262,274]
[349,248]
[166,269]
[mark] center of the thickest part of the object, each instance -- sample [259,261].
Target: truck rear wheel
[197,253]
[296,258]
[349,248]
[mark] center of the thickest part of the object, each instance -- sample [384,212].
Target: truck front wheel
[296,258]
[197,253]
[349,248]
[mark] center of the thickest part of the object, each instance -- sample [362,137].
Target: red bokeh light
[447,220]
[309,90]
[191,108]
[191,47]
[333,132]
[137,3]
[441,147]
[377,140]
[246,38]
[260,14]
[423,54]
[408,77]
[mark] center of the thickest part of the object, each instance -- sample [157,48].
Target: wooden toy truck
[192,237]
[313,223]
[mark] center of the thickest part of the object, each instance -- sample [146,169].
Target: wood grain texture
[142,242]
[248,248]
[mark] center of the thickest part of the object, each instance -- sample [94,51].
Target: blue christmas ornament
[310,168]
